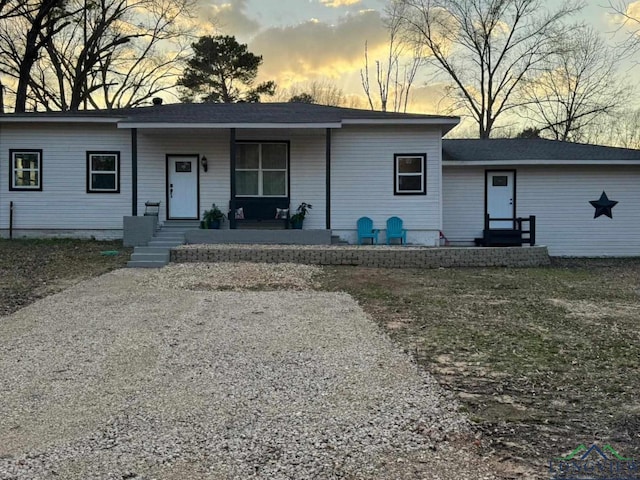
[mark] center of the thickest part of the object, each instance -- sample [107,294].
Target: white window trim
[261,170]
[115,173]
[422,174]
[15,170]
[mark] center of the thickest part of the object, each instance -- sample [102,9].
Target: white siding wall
[559,198]
[462,203]
[362,180]
[64,204]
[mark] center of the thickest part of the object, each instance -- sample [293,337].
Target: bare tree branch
[575,87]
[486,47]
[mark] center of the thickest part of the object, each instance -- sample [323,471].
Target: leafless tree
[486,47]
[98,53]
[629,22]
[22,39]
[396,74]
[619,130]
[575,87]
[130,52]
[323,92]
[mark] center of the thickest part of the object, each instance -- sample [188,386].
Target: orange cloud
[315,49]
[339,3]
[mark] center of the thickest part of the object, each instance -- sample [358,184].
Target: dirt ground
[33,269]
[543,359]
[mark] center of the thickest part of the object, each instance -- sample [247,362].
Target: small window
[103,172]
[500,181]
[26,170]
[410,174]
[183,167]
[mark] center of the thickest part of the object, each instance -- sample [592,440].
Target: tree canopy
[222,70]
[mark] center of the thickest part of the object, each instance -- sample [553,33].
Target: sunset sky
[306,40]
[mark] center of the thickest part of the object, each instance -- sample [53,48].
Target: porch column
[232,176]
[328,179]
[134,172]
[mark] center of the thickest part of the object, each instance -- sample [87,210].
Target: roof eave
[66,119]
[480,163]
[220,126]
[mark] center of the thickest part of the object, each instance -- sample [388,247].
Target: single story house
[80,173]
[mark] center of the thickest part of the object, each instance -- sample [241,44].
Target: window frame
[396,174]
[90,171]
[12,170]
[261,171]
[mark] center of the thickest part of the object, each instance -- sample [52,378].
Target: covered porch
[257,177]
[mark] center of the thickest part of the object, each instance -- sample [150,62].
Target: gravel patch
[121,377]
[236,276]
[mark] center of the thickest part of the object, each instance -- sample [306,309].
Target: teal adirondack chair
[366,230]
[395,230]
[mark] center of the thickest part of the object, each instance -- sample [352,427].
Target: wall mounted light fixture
[204,163]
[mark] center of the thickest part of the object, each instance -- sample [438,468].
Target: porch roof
[532,151]
[237,115]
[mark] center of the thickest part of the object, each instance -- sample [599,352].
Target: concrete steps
[157,252]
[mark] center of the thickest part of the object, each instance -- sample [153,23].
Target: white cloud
[230,17]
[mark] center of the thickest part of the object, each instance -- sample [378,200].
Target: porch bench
[260,212]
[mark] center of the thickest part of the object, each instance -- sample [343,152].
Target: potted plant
[212,218]
[298,217]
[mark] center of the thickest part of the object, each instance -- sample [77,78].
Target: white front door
[182,182]
[500,197]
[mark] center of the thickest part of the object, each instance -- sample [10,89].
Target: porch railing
[516,235]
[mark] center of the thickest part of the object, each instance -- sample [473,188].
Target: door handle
[171,190]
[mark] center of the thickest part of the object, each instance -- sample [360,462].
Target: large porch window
[261,169]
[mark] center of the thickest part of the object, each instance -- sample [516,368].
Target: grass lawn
[32,269]
[542,359]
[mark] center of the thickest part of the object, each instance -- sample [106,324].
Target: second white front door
[182,184]
[501,197]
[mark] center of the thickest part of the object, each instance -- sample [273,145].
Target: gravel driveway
[156,375]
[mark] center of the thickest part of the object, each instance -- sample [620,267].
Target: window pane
[183,167]
[247,183]
[248,155]
[103,163]
[103,181]
[410,183]
[26,160]
[274,156]
[500,181]
[274,183]
[27,178]
[410,165]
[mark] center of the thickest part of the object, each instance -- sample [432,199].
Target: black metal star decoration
[603,206]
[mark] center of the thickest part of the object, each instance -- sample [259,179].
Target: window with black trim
[410,174]
[261,169]
[25,170]
[103,172]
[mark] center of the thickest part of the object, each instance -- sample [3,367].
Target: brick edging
[369,257]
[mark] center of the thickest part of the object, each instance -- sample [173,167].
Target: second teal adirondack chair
[395,230]
[366,230]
